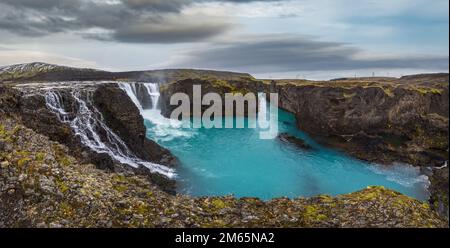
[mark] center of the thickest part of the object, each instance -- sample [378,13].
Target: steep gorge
[401,120]
[112,136]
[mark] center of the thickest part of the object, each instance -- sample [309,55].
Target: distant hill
[39,71]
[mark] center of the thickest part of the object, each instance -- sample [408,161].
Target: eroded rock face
[398,120]
[8,99]
[211,85]
[120,115]
[124,118]
[439,190]
[42,186]
[297,142]
[374,123]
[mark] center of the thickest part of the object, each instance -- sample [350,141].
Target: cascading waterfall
[153,91]
[85,123]
[237,161]
[130,89]
[166,129]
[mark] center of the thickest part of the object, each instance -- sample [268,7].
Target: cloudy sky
[316,39]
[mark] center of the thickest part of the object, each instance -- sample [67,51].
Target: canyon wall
[116,111]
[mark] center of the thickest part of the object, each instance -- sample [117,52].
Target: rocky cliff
[382,120]
[376,121]
[122,118]
[220,86]
[42,186]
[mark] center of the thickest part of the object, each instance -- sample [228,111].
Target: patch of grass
[40,156]
[23,161]
[62,186]
[61,156]
[425,91]
[120,188]
[218,204]
[2,131]
[312,213]
[66,209]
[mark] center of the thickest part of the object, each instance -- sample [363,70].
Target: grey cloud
[176,5]
[284,53]
[164,33]
[159,5]
[125,21]
[42,4]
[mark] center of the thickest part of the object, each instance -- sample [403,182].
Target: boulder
[297,142]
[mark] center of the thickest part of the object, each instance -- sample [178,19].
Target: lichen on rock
[46,191]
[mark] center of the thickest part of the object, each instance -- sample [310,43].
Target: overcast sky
[316,39]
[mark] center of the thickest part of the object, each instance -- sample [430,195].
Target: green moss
[23,161]
[222,84]
[65,161]
[61,156]
[119,178]
[40,156]
[2,131]
[312,213]
[218,203]
[349,95]
[427,90]
[66,209]
[388,91]
[62,186]
[120,188]
[5,135]
[141,208]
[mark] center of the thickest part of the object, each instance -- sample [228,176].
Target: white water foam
[153,92]
[403,174]
[87,119]
[164,128]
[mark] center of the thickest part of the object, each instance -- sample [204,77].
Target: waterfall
[87,122]
[130,89]
[153,91]
[163,128]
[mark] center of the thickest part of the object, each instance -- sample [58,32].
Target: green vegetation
[427,90]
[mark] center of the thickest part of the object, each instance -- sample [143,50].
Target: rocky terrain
[41,72]
[123,118]
[383,120]
[42,186]
[242,85]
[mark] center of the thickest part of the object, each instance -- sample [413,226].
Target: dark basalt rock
[297,142]
[36,116]
[378,120]
[387,122]
[208,85]
[8,99]
[123,117]
[120,114]
[439,190]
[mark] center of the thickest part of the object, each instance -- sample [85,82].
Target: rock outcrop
[375,121]
[297,142]
[123,118]
[207,85]
[42,186]
[381,120]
